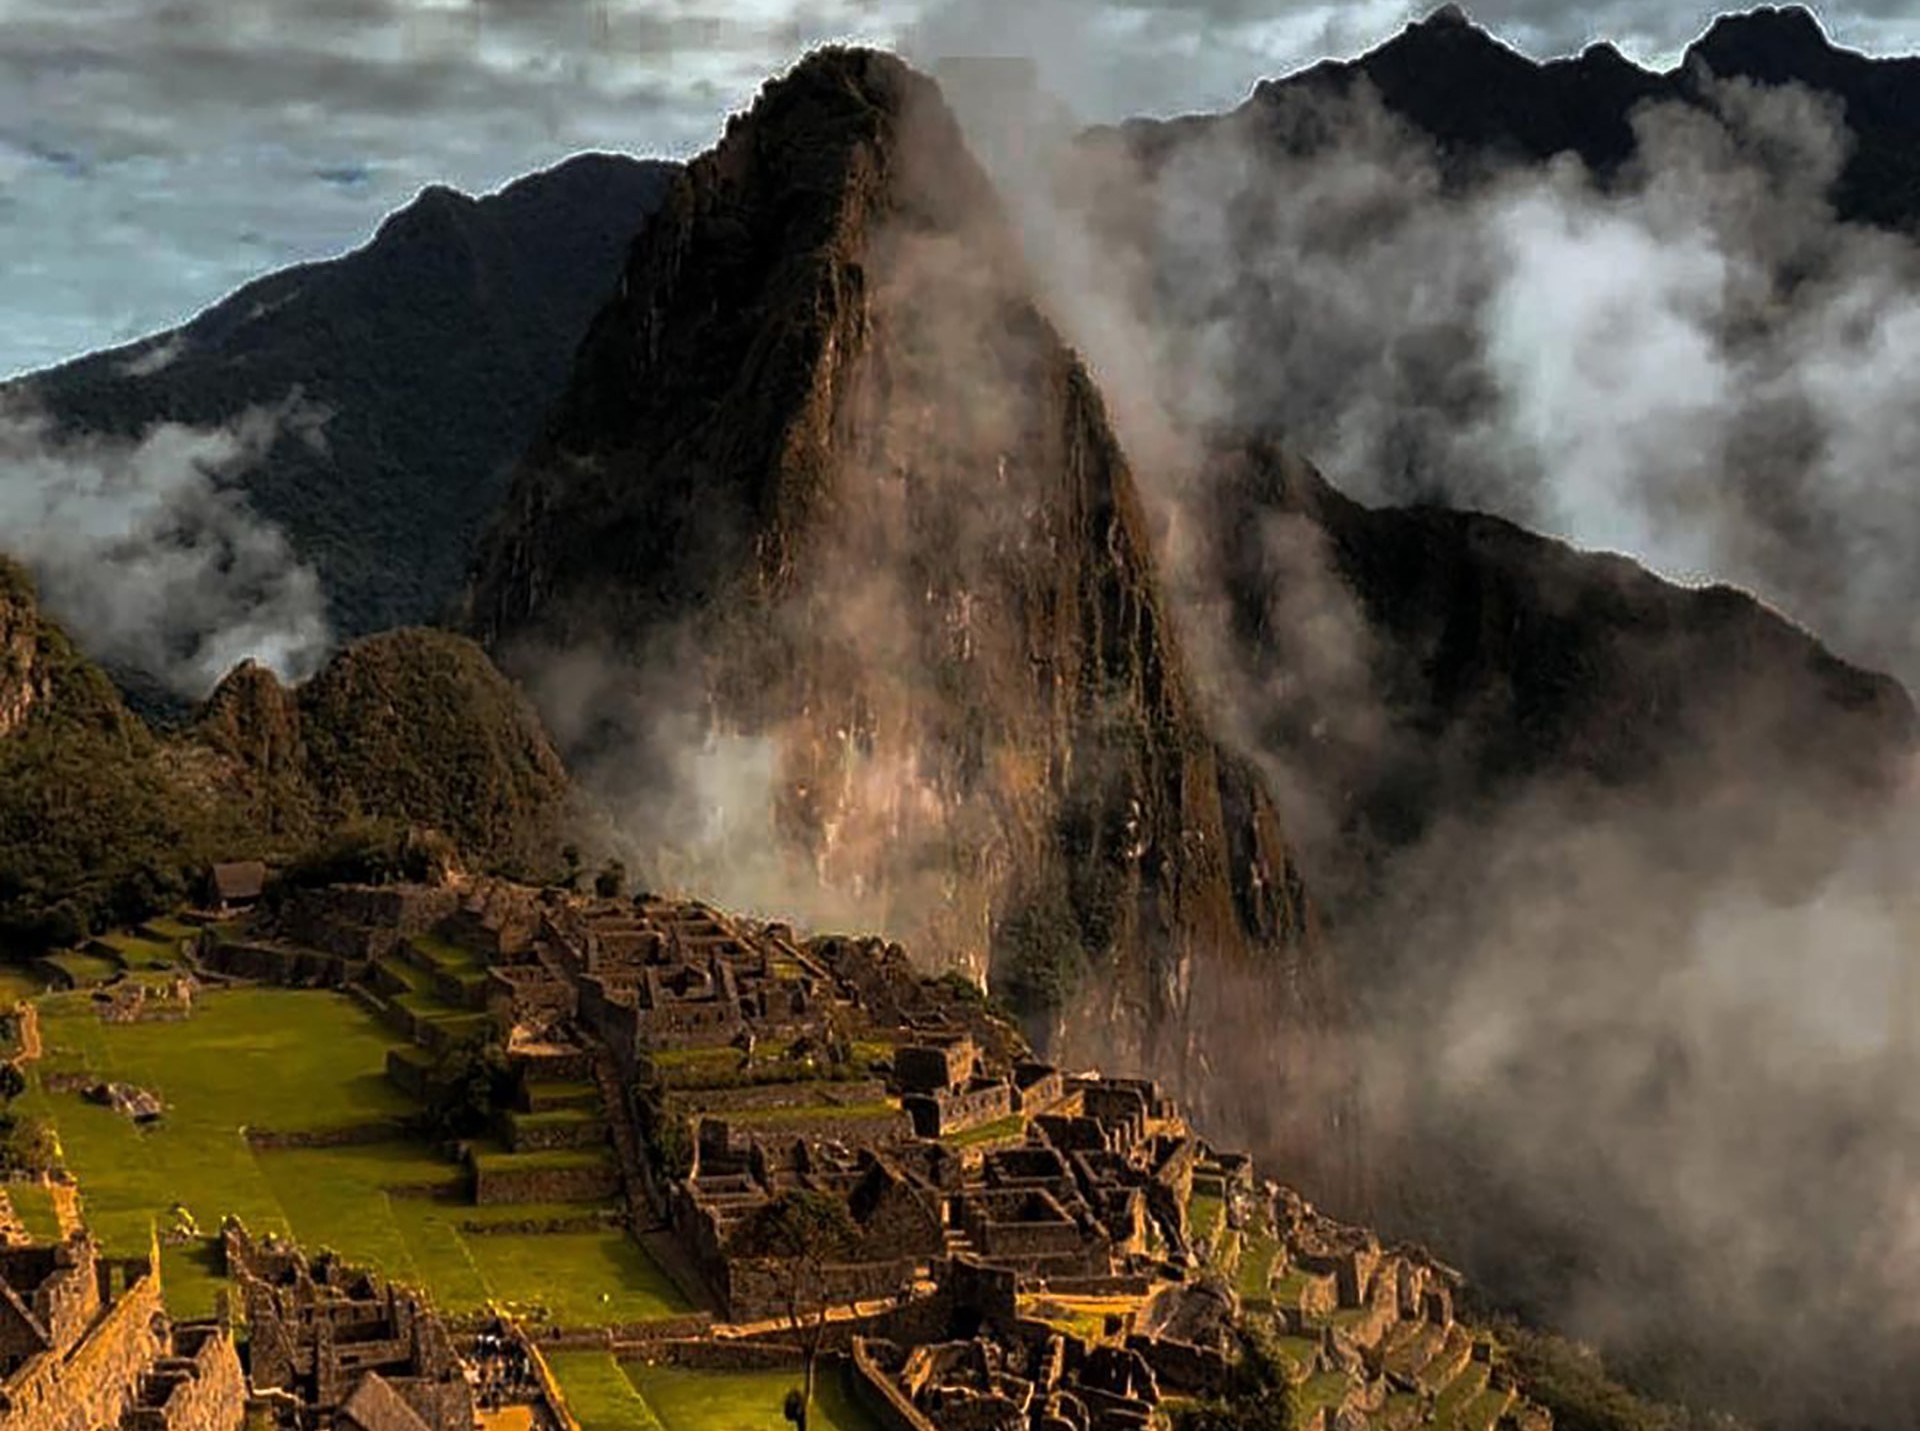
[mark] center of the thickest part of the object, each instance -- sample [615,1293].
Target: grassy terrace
[494,1158]
[83,969]
[1205,1214]
[136,952]
[811,1112]
[1257,1256]
[598,1392]
[1460,1393]
[1323,1388]
[1013,1126]
[17,984]
[33,1205]
[294,1061]
[1301,1351]
[550,1097]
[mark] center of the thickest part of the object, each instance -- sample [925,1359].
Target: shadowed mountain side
[1616,872]
[432,352]
[831,514]
[1495,658]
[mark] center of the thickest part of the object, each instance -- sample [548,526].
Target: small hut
[236,887]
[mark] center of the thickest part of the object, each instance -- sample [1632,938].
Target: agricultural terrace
[255,1065]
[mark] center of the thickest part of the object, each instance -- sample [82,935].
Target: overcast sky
[155,154]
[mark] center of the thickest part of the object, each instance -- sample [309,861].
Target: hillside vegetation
[103,822]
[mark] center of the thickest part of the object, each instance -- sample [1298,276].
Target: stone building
[85,1343]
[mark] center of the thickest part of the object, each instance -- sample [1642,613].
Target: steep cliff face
[828,484]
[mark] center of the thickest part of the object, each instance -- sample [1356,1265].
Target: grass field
[33,1205]
[294,1061]
[687,1400]
[598,1392]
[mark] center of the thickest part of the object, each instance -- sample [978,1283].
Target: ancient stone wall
[276,964]
[884,1401]
[755,1287]
[95,1381]
[544,1185]
[200,1388]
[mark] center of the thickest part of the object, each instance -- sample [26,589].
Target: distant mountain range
[1484,104]
[433,352]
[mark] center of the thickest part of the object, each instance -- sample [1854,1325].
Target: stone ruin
[730,1061]
[337,1348]
[86,1343]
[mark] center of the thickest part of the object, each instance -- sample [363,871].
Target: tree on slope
[804,1231]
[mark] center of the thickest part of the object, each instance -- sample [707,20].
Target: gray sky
[155,154]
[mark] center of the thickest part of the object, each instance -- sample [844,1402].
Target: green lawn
[1013,1126]
[598,1393]
[33,1205]
[296,1060]
[687,1400]
[579,1278]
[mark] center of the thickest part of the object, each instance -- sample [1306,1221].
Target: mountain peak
[828,486]
[1769,43]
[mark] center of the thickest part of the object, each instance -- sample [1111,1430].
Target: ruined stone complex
[338,1346]
[86,1343]
[1028,1247]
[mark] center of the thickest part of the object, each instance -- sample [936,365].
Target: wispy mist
[149,558]
[1638,1067]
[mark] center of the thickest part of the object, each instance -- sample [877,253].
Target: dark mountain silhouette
[826,479]
[1496,659]
[434,349]
[1484,104]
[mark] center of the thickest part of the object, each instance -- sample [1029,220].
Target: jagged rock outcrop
[423,362]
[1485,105]
[827,480]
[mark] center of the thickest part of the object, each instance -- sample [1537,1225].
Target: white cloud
[153,157]
[145,554]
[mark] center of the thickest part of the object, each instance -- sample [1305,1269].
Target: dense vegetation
[1572,1382]
[97,827]
[103,823]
